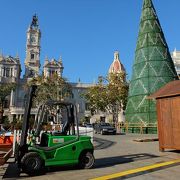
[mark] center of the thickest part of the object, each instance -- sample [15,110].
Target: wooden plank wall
[168,111]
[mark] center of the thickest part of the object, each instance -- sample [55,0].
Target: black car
[104,128]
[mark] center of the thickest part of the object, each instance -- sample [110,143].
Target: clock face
[33,39]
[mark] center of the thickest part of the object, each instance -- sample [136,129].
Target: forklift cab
[55,124]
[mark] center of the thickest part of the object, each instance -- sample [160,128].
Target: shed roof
[170,89]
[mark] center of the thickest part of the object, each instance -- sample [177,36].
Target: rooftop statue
[34,22]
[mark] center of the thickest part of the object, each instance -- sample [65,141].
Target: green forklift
[54,139]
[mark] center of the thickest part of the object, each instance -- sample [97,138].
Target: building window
[32,56]
[7,72]
[1,73]
[52,72]
[6,103]
[11,72]
[4,72]
[87,107]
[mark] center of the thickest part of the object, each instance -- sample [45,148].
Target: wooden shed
[168,115]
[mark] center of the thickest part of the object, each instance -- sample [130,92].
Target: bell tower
[32,61]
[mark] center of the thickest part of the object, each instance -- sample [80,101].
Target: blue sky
[84,32]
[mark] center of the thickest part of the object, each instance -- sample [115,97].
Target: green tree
[96,97]
[51,88]
[117,88]
[109,94]
[5,90]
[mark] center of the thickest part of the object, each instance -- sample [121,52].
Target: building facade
[32,61]
[176,59]
[53,67]
[10,71]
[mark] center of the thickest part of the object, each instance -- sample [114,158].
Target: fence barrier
[141,128]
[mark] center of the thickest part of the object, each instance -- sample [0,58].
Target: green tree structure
[152,69]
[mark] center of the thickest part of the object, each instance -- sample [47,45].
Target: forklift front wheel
[32,164]
[86,160]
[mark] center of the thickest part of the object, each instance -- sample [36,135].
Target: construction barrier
[6,143]
[6,139]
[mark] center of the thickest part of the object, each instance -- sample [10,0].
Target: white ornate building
[176,59]
[32,61]
[10,69]
[53,66]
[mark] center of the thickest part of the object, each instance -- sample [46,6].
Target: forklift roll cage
[72,118]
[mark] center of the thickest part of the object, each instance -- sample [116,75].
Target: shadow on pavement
[12,171]
[111,161]
[174,151]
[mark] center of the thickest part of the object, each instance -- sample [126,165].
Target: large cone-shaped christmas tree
[152,69]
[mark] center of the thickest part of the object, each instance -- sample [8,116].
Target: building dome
[116,66]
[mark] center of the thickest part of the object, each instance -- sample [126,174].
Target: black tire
[86,160]
[32,164]
[102,133]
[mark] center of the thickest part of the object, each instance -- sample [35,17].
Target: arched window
[7,72]
[4,72]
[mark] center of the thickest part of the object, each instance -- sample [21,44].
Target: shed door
[166,123]
[175,111]
[170,122]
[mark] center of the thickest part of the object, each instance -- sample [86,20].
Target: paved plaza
[114,154]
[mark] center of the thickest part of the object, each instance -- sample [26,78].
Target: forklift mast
[27,111]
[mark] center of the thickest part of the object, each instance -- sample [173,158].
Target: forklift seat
[44,140]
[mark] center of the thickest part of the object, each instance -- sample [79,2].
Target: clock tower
[32,61]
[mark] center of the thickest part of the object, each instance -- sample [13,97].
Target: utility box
[168,115]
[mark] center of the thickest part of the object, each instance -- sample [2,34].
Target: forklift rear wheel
[86,160]
[32,163]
